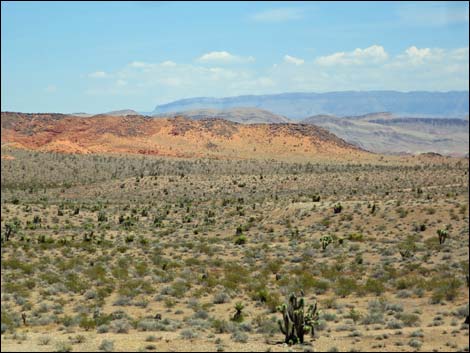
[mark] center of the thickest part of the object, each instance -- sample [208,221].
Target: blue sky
[101,56]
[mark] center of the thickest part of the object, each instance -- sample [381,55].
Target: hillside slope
[386,133]
[177,137]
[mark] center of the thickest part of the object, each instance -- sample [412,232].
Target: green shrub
[87,323]
[355,237]
[409,320]
[240,240]
[445,288]
[102,216]
[345,286]
[374,286]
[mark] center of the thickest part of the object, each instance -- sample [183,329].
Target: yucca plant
[238,316]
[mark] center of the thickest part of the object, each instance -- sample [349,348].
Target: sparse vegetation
[187,251]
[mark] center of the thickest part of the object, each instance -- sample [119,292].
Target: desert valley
[239,176]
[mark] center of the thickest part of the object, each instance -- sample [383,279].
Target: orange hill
[175,137]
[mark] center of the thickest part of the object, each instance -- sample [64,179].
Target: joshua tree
[8,231]
[373,209]
[316,198]
[442,233]
[325,241]
[295,321]
[337,208]
[89,236]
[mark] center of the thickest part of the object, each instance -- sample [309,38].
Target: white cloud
[168,63]
[415,68]
[332,59]
[293,60]
[223,57]
[375,52]
[148,66]
[415,53]
[278,15]
[98,74]
[414,56]
[217,56]
[370,55]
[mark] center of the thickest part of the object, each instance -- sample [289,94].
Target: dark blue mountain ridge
[298,105]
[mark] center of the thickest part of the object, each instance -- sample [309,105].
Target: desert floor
[101,245]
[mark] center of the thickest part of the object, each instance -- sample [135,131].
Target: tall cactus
[295,321]
[8,231]
[325,241]
[442,233]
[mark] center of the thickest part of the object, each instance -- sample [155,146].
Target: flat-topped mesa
[176,137]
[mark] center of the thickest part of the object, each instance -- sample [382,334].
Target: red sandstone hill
[176,137]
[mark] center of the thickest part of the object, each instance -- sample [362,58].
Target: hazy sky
[101,56]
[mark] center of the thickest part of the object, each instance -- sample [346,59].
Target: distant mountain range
[122,112]
[297,106]
[390,134]
[237,115]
